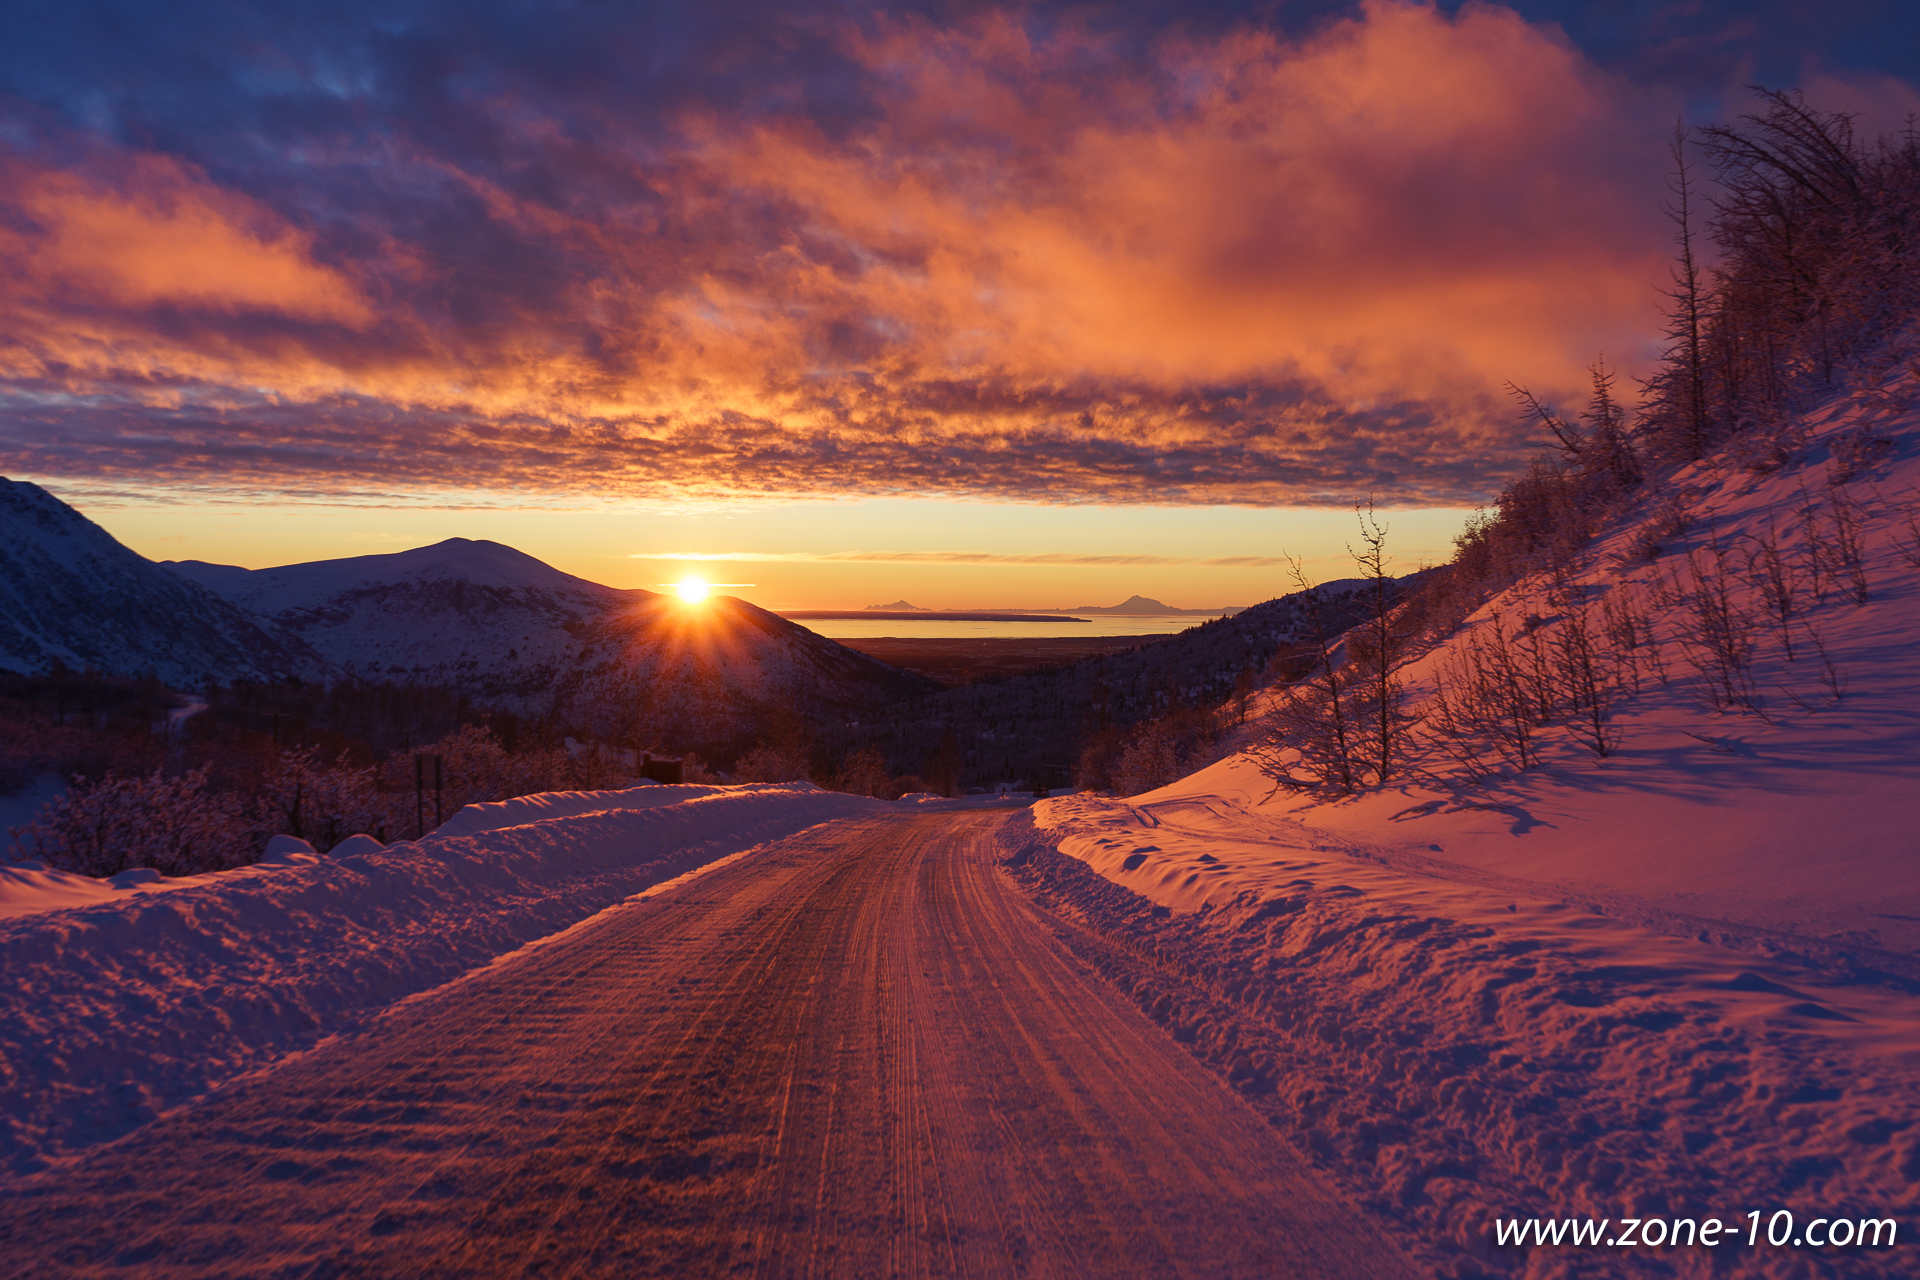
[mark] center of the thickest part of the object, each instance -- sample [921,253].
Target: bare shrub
[1854,451]
[1906,538]
[1716,631]
[1668,519]
[772,762]
[1587,686]
[864,773]
[1848,543]
[1820,556]
[1629,636]
[1489,692]
[107,825]
[1374,648]
[1778,583]
[1312,726]
[1454,723]
[322,802]
[1150,760]
[1832,676]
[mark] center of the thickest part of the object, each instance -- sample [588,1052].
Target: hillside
[1633,928]
[1756,769]
[1034,726]
[70,593]
[513,632]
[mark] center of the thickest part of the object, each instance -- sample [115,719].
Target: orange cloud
[1244,269]
[1403,205]
[163,235]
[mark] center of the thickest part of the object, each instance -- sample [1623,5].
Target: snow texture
[1683,980]
[139,997]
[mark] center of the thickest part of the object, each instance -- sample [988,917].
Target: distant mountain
[1019,726]
[515,632]
[898,606]
[70,593]
[1143,607]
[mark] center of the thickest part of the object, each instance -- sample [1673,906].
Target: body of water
[1095,625]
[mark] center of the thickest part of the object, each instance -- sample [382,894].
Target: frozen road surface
[860,1052]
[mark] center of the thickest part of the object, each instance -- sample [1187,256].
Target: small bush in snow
[110,824]
[864,773]
[772,762]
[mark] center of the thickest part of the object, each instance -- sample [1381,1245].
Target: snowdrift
[113,1011]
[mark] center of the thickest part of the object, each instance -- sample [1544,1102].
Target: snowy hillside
[70,593]
[1645,943]
[1758,770]
[513,631]
[459,610]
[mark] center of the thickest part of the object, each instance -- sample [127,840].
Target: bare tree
[1686,392]
[1377,656]
[1311,724]
[1589,690]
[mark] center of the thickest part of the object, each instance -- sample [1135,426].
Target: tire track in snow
[861,1052]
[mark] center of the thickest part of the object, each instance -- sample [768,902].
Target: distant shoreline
[919,615]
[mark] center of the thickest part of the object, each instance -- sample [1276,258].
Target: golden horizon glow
[691,589]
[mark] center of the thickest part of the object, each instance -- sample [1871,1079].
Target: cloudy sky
[1009,291]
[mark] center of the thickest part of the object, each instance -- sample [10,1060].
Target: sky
[971,304]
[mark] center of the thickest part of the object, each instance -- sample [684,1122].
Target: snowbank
[27,888]
[117,1008]
[1451,1056]
[476,818]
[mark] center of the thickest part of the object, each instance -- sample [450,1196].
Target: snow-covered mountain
[70,593]
[513,631]
[457,611]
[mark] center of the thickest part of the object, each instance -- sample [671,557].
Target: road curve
[859,1053]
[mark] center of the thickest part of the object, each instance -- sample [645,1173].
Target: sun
[692,590]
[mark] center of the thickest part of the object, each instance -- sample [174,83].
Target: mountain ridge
[70,593]
[512,631]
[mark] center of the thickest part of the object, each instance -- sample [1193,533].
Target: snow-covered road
[861,1052]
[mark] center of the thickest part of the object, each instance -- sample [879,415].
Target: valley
[953,662]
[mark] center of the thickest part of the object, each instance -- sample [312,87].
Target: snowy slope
[70,593]
[514,631]
[123,1000]
[1802,815]
[1683,978]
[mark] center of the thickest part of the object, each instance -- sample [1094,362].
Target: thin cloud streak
[966,557]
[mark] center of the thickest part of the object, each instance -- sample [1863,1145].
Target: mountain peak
[475,561]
